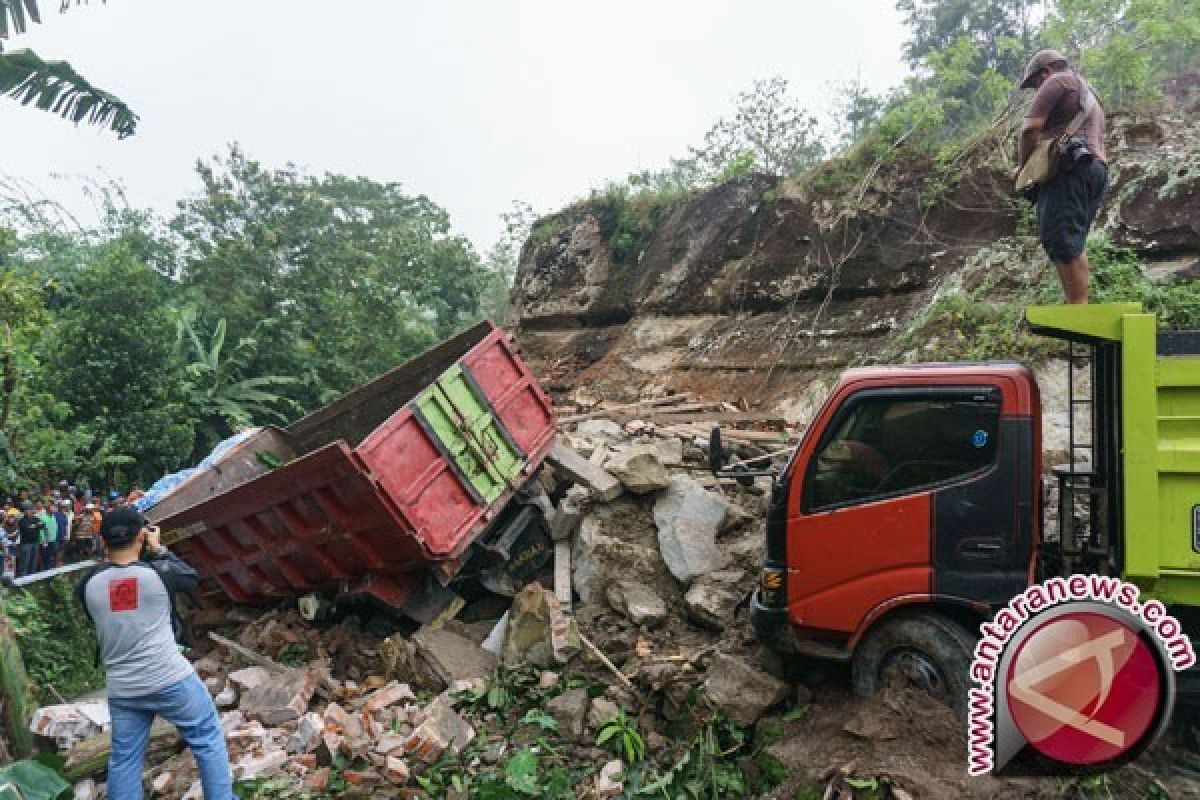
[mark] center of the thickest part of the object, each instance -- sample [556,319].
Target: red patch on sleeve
[123,595]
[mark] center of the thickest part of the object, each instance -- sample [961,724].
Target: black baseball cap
[121,526]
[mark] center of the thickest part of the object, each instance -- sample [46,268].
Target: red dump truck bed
[399,476]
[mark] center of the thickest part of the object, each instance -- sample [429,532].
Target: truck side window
[889,445]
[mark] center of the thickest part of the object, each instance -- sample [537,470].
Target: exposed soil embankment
[753,289]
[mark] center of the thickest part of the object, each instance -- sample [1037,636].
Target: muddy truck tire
[930,651]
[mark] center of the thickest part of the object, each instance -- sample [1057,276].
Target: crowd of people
[52,527]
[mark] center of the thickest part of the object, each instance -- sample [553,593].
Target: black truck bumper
[771,625]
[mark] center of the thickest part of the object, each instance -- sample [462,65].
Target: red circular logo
[1084,688]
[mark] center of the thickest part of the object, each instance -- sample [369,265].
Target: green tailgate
[1160,459]
[470,433]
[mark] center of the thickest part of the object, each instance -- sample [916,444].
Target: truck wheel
[928,651]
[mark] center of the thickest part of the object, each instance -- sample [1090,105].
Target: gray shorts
[1066,209]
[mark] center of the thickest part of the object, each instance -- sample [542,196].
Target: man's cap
[121,526]
[1041,59]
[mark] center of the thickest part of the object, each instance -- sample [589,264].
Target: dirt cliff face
[753,289]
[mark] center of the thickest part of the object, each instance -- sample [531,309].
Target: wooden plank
[658,401]
[257,659]
[90,757]
[700,417]
[562,572]
[578,469]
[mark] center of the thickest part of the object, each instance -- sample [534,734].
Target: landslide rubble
[632,674]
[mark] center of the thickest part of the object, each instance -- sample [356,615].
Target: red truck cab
[915,489]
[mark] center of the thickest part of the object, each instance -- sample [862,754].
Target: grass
[56,638]
[984,320]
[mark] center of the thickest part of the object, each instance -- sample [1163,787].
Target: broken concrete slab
[282,698]
[249,678]
[688,518]
[639,469]
[670,451]
[452,657]
[307,735]
[637,601]
[539,633]
[742,691]
[601,711]
[709,604]
[566,518]
[226,698]
[570,710]
[562,572]
[396,771]
[441,729]
[600,428]
[389,695]
[251,765]
[603,484]
[70,723]
[598,558]
[609,780]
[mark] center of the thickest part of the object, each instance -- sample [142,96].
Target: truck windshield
[894,444]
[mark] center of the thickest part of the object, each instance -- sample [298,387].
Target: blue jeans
[188,707]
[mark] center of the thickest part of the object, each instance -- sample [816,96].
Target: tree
[55,86]
[500,261]
[353,275]
[217,391]
[109,358]
[1127,47]
[1002,31]
[855,109]
[768,132]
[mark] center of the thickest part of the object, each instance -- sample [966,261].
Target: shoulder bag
[1042,164]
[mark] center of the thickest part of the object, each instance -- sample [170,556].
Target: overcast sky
[472,102]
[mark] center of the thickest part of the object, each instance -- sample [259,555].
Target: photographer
[1065,113]
[130,600]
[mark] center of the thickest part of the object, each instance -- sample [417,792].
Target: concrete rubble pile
[652,558]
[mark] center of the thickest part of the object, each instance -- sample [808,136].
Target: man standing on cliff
[1066,203]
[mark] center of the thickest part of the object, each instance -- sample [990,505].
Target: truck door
[905,488]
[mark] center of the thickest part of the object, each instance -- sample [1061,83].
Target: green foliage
[986,321]
[33,780]
[354,275]
[56,638]
[539,718]
[635,212]
[55,86]
[216,389]
[622,737]
[1002,31]
[768,132]
[1126,48]
[113,366]
[521,773]
[706,771]
[1117,277]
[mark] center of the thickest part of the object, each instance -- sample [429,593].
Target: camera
[1077,152]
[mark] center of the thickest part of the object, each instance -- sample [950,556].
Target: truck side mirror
[716,453]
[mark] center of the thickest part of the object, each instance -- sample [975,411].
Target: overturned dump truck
[405,485]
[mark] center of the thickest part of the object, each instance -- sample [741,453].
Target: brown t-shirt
[1058,101]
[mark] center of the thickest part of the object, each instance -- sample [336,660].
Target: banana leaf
[30,780]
